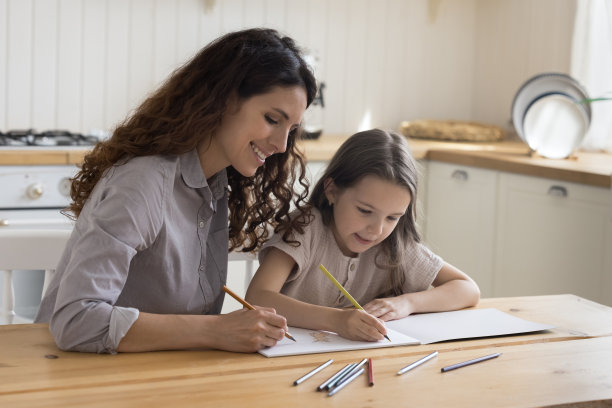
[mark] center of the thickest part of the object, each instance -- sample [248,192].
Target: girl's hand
[250,330]
[356,324]
[390,308]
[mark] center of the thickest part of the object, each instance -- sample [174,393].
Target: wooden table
[568,366]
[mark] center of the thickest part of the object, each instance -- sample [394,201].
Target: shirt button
[201,267]
[352,267]
[201,224]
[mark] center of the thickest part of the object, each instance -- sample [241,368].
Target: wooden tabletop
[570,364]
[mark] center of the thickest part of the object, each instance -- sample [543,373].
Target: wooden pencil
[249,306]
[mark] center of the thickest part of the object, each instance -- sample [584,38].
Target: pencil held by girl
[359,223]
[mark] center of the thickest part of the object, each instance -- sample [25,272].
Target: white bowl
[547,115]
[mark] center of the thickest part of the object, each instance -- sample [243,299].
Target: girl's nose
[376,227]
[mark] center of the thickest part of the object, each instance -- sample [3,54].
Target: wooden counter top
[588,168]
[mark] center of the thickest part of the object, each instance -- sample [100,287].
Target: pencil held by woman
[250,306]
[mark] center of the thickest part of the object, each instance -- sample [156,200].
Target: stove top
[49,138]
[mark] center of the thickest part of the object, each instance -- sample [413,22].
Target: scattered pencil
[370,373]
[313,372]
[417,363]
[469,362]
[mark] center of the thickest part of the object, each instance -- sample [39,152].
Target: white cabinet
[520,235]
[460,219]
[552,237]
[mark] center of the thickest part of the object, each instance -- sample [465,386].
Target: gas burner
[29,137]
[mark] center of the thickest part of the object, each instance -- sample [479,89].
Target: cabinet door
[460,212]
[553,237]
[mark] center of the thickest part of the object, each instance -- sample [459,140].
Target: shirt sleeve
[123,216]
[300,253]
[422,268]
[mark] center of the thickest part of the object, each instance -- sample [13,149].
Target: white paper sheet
[416,329]
[314,341]
[463,324]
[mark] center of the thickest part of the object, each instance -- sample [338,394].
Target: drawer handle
[460,175]
[557,191]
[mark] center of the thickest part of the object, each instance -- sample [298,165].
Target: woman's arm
[242,331]
[265,289]
[452,290]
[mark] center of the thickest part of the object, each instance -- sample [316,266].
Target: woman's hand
[390,308]
[249,330]
[356,324]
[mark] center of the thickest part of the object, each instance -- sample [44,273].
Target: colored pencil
[345,383]
[248,306]
[417,363]
[469,362]
[370,373]
[344,291]
[334,377]
[313,372]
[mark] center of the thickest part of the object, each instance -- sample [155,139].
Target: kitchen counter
[588,168]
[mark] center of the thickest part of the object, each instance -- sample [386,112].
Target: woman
[147,259]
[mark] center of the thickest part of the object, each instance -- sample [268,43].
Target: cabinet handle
[557,191]
[460,175]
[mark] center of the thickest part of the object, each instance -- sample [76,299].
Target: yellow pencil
[249,306]
[344,291]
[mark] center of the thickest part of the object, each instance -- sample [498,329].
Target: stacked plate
[550,113]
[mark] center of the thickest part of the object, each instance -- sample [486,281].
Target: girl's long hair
[188,108]
[377,153]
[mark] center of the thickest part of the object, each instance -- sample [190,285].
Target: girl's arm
[452,290]
[264,290]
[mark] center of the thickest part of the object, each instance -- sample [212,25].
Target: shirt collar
[194,177]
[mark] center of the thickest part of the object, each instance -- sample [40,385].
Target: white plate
[546,94]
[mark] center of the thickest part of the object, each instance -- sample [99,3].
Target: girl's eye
[391,218]
[363,210]
[270,120]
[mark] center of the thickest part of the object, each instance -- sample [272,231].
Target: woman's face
[252,130]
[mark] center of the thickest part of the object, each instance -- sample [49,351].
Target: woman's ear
[330,189]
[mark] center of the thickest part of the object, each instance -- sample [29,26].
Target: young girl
[360,224]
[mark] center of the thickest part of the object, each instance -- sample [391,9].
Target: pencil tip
[291,337]
[387,337]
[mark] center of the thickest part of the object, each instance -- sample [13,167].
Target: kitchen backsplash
[82,65]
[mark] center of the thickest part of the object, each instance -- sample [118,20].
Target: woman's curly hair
[189,107]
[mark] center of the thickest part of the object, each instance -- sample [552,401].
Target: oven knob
[64,186]
[35,191]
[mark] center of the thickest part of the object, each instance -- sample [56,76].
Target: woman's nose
[279,140]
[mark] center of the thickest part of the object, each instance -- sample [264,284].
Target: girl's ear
[330,190]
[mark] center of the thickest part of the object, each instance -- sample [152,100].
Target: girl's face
[365,214]
[252,130]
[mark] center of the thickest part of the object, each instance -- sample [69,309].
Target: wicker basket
[452,130]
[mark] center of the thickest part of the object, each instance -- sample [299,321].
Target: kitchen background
[82,65]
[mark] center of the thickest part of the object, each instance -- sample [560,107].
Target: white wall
[82,65]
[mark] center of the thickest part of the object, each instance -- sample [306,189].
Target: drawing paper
[463,324]
[415,329]
[315,341]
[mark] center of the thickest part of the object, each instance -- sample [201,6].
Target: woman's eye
[363,210]
[393,219]
[270,120]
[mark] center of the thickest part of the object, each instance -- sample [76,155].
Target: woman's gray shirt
[152,237]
